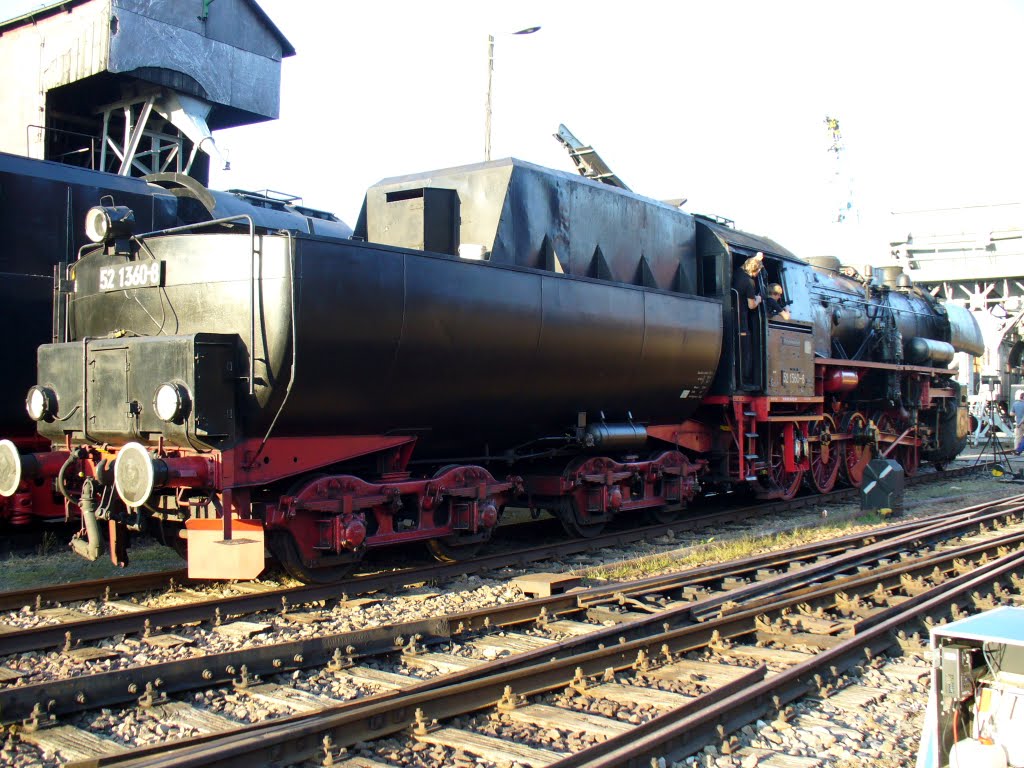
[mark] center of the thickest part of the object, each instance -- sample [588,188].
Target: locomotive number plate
[140,274]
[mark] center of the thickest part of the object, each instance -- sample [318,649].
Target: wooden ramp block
[855,697]
[63,615]
[8,675]
[168,640]
[634,694]
[569,627]
[289,698]
[767,758]
[123,606]
[254,587]
[820,626]
[546,716]
[490,748]
[699,672]
[71,743]
[821,725]
[200,720]
[546,584]
[513,642]
[304,617]
[770,655]
[362,762]
[905,672]
[442,662]
[390,680]
[242,630]
[89,653]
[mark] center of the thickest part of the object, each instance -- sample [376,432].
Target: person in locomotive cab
[744,282]
[775,303]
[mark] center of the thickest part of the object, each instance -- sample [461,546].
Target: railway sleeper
[610,688]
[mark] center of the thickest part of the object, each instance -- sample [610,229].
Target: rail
[628,645]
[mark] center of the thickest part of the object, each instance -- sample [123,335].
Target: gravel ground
[883,733]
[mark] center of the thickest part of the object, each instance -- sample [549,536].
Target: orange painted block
[211,557]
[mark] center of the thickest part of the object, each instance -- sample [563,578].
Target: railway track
[62,626]
[686,613]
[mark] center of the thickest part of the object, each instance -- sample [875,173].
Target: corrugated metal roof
[64,6]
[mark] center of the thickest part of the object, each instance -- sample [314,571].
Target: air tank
[918,351]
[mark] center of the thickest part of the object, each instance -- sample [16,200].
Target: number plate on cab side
[136,274]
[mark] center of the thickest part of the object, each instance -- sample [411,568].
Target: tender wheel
[851,452]
[457,548]
[166,532]
[282,546]
[450,552]
[782,479]
[567,516]
[662,515]
[825,456]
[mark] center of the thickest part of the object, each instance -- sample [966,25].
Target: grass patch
[714,551]
[54,563]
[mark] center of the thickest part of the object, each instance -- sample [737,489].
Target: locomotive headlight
[106,222]
[41,403]
[172,402]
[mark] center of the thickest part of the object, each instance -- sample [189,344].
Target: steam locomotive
[488,335]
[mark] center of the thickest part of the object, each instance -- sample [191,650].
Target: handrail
[85,388]
[91,149]
[737,341]
[295,342]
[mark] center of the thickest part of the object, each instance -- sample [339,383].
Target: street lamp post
[490,88]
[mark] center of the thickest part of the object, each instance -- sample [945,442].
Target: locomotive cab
[787,360]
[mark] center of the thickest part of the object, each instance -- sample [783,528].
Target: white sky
[720,102]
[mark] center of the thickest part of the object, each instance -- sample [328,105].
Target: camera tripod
[999,457]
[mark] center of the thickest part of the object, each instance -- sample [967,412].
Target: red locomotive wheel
[783,480]
[849,468]
[910,459]
[572,525]
[282,545]
[825,455]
